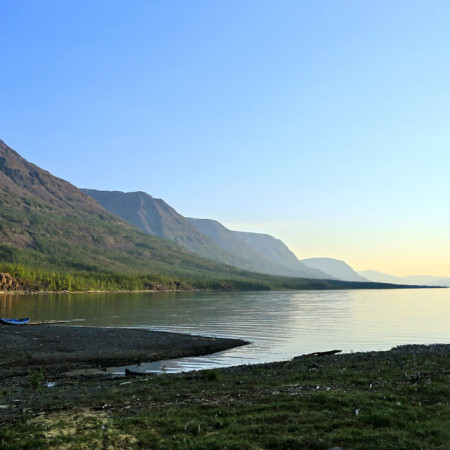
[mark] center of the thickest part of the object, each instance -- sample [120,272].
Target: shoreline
[114,291]
[156,291]
[394,399]
[58,348]
[387,397]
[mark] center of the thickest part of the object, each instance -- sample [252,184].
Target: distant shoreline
[114,291]
[155,291]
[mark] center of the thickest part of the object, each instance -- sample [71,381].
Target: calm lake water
[279,325]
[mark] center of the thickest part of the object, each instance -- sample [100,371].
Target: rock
[9,283]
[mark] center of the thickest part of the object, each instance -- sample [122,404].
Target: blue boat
[15,321]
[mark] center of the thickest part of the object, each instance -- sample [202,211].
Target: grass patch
[389,400]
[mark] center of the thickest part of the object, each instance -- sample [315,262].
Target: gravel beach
[395,399]
[61,348]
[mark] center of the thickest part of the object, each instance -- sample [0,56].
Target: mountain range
[47,222]
[155,217]
[49,225]
[55,236]
[266,253]
[339,269]
[251,251]
[415,280]
[208,238]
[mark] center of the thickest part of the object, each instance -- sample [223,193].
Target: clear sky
[324,123]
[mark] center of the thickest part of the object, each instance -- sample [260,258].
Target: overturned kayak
[14,321]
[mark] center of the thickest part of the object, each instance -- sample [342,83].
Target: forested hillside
[48,226]
[54,236]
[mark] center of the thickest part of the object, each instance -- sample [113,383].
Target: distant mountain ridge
[268,254]
[155,217]
[207,238]
[415,280]
[210,239]
[338,269]
[274,249]
[58,237]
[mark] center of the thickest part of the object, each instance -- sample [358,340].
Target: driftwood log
[135,373]
[310,355]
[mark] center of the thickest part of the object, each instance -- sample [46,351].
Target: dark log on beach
[135,373]
[310,355]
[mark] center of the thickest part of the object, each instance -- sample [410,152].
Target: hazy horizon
[323,124]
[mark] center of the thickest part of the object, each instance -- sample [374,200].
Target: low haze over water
[279,325]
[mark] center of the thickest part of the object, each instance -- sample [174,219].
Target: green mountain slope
[54,236]
[47,223]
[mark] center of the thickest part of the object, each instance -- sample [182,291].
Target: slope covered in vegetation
[54,236]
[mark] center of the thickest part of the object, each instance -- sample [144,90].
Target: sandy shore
[58,349]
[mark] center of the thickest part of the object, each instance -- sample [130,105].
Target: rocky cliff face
[8,284]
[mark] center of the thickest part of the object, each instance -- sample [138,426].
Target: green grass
[375,401]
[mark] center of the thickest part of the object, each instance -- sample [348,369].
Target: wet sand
[58,348]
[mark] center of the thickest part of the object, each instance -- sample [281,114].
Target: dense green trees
[88,280]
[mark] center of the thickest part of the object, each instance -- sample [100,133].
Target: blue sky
[324,123]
